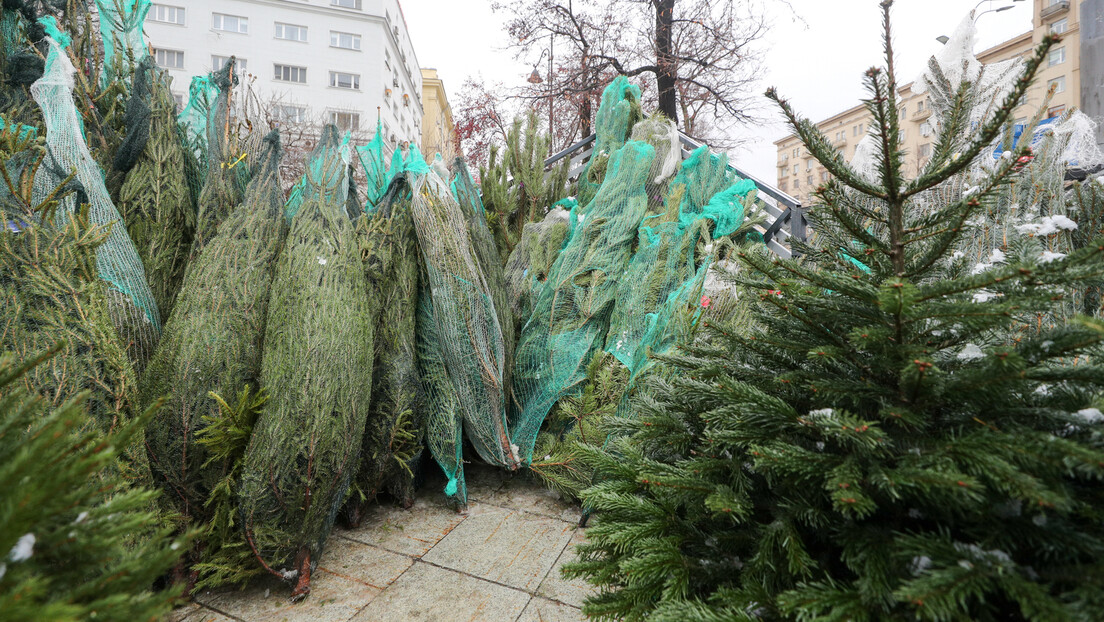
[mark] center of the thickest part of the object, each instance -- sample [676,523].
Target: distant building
[438,129]
[799,173]
[310,61]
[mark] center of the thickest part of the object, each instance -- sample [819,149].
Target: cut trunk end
[302,586]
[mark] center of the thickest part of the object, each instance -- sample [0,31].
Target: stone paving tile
[428,593]
[356,561]
[333,598]
[410,532]
[178,614]
[483,480]
[558,588]
[522,493]
[544,610]
[203,614]
[505,546]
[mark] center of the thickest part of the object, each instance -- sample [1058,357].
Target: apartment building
[310,61]
[799,173]
[438,128]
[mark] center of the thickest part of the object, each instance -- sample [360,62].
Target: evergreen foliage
[882,444]
[79,542]
[516,189]
[155,200]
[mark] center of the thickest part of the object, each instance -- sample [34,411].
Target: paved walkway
[499,561]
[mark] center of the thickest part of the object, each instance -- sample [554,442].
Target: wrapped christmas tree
[212,340]
[317,368]
[223,185]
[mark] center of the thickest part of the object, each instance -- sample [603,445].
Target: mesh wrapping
[375,168]
[155,200]
[121,23]
[133,309]
[571,313]
[317,367]
[226,176]
[617,113]
[321,175]
[530,263]
[212,340]
[465,329]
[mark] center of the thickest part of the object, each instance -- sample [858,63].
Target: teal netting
[227,172]
[460,345]
[121,23]
[375,168]
[193,118]
[618,112]
[321,174]
[572,310]
[133,310]
[530,262]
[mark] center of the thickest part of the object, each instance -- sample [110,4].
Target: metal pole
[551,54]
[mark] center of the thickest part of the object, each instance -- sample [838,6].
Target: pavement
[499,561]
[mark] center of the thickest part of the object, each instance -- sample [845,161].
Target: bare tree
[480,118]
[697,58]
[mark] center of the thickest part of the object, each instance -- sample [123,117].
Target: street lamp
[943,39]
[535,78]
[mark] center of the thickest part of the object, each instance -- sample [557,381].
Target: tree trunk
[665,77]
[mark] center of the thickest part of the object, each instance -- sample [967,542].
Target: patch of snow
[996,256]
[1049,225]
[971,352]
[985,296]
[80,518]
[958,255]
[321,261]
[980,267]
[920,564]
[23,548]
[1090,415]
[821,412]
[1048,256]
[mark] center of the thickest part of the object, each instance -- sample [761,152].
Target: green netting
[572,311]
[155,200]
[618,112]
[212,340]
[465,329]
[317,367]
[121,23]
[486,253]
[393,434]
[133,309]
[193,118]
[226,175]
[530,263]
[321,175]
[375,168]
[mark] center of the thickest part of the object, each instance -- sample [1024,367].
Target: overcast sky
[816,61]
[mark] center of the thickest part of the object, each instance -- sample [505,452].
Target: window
[797,183]
[1056,111]
[230,23]
[387,59]
[924,151]
[925,129]
[179,100]
[1057,57]
[288,113]
[1058,84]
[797,167]
[809,180]
[795,155]
[291,32]
[346,41]
[808,165]
[1060,26]
[218,62]
[901,136]
[1053,2]
[171,14]
[855,131]
[288,73]
[345,121]
[824,177]
[169,59]
[347,4]
[782,186]
[344,80]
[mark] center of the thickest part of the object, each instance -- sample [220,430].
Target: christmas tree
[884,443]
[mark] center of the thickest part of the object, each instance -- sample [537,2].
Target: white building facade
[310,61]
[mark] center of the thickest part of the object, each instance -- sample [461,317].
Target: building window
[169,59]
[218,62]
[1057,57]
[900,136]
[797,183]
[782,186]
[824,177]
[287,113]
[1060,26]
[797,167]
[808,165]
[346,41]
[230,23]
[926,129]
[1056,111]
[288,73]
[924,151]
[345,121]
[344,80]
[291,32]
[1058,84]
[346,4]
[178,99]
[170,14]
[795,155]
[809,180]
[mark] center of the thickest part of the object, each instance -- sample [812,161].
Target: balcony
[921,115]
[1054,9]
[839,142]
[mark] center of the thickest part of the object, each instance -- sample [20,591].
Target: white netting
[133,309]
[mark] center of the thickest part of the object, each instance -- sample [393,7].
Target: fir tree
[884,444]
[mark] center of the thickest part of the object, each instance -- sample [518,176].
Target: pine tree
[883,444]
[79,542]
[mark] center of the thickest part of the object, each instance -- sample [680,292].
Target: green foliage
[516,189]
[80,543]
[226,557]
[877,446]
